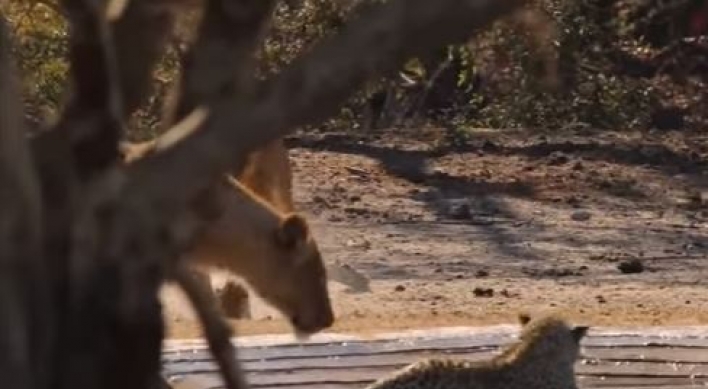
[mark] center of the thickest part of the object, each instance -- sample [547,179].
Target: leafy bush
[611,67]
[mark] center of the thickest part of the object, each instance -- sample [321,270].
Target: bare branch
[92,120]
[216,330]
[221,61]
[20,235]
[141,35]
[111,65]
[309,90]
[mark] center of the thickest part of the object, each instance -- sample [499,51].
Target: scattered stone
[558,158]
[489,146]
[321,200]
[360,243]
[554,272]
[357,171]
[508,294]
[573,201]
[578,166]
[600,299]
[481,273]
[399,288]
[460,211]
[483,292]
[356,211]
[581,216]
[631,266]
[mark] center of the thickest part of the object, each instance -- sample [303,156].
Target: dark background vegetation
[634,64]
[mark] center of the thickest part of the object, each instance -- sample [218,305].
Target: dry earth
[609,228]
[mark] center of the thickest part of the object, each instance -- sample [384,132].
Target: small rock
[600,299]
[555,272]
[508,294]
[581,216]
[573,201]
[631,266]
[483,292]
[357,171]
[460,211]
[489,146]
[481,273]
[399,288]
[578,166]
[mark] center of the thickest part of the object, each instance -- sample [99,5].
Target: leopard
[543,358]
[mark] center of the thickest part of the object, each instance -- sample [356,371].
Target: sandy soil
[610,228]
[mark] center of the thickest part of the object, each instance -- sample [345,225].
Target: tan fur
[273,251]
[268,174]
[543,358]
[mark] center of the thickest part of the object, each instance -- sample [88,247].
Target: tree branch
[111,67]
[309,90]
[21,338]
[92,119]
[221,60]
[217,332]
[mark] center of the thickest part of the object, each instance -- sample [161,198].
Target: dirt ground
[608,228]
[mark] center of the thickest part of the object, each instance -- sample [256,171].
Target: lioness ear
[292,231]
[524,318]
[579,332]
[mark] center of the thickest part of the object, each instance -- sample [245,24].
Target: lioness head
[275,253]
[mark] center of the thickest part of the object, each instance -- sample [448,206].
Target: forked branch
[111,67]
[221,61]
[312,88]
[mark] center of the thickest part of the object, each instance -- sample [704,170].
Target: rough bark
[87,243]
[22,296]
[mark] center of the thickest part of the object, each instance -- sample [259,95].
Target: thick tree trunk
[85,243]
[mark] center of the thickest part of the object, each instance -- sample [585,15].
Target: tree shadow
[486,209]
[412,166]
[656,156]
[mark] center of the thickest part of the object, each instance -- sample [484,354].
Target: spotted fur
[543,358]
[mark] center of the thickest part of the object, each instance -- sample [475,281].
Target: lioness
[268,173]
[272,251]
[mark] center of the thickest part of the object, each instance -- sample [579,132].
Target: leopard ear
[524,319]
[579,332]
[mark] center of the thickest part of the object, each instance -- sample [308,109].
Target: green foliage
[497,80]
[591,93]
[40,50]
